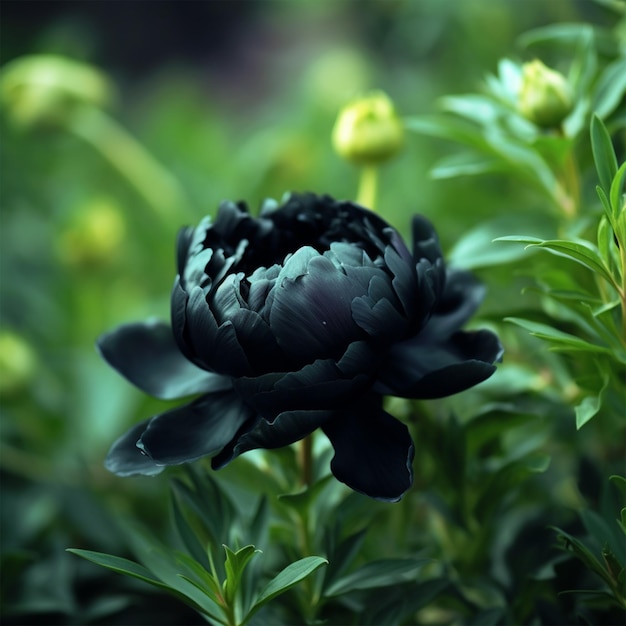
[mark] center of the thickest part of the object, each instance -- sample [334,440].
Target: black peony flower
[302,318]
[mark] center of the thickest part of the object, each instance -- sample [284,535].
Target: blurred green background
[225,100]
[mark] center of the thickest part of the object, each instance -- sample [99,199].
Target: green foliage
[92,200]
[231,596]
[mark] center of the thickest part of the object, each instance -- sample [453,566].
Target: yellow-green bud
[17,363]
[42,90]
[95,237]
[368,130]
[545,96]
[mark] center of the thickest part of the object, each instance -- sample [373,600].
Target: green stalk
[306,460]
[368,187]
[130,159]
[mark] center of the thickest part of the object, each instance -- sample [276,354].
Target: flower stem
[306,460]
[130,159]
[368,187]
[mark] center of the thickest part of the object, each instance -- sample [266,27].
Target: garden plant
[363,362]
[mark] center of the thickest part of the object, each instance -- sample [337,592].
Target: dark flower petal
[319,385]
[146,354]
[215,345]
[461,296]
[184,241]
[311,309]
[373,450]
[400,263]
[425,240]
[420,369]
[286,428]
[378,318]
[190,432]
[257,340]
[126,459]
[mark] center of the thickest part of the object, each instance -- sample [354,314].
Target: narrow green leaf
[569,33]
[586,409]
[590,405]
[620,483]
[130,568]
[118,564]
[464,164]
[204,580]
[287,578]
[376,574]
[610,88]
[562,339]
[580,251]
[606,204]
[302,500]
[606,243]
[397,608]
[606,535]
[218,614]
[187,535]
[603,153]
[235,565]
[342,556]
[529,164]
[475,107]
[571,543]
[617,188]
[452,129]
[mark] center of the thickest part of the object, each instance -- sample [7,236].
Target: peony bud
[95,237]
[545,96]
[18,363]
[42,90]
[368,130]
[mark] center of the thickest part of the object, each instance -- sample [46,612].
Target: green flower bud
[42,90]
[17,363]
[95,237]
[368,130]
[545,96]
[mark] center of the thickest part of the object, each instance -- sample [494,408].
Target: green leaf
[382,573]
[187,535]
[235,565]
[609,88]
[605,534]
[562,339]
[287,578]
[305,498]
[606,243]
[218,614]
[579,251]
[456,130]
[571,543]
[397,606]
[606,203]
[464,164]
[565,33]
[342,556]
[201,578]
[586,410]
[135,570]
[603,153]
[589,406]
[620,483]
[475,107]
[616,191]
[479,246]
[119,564]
